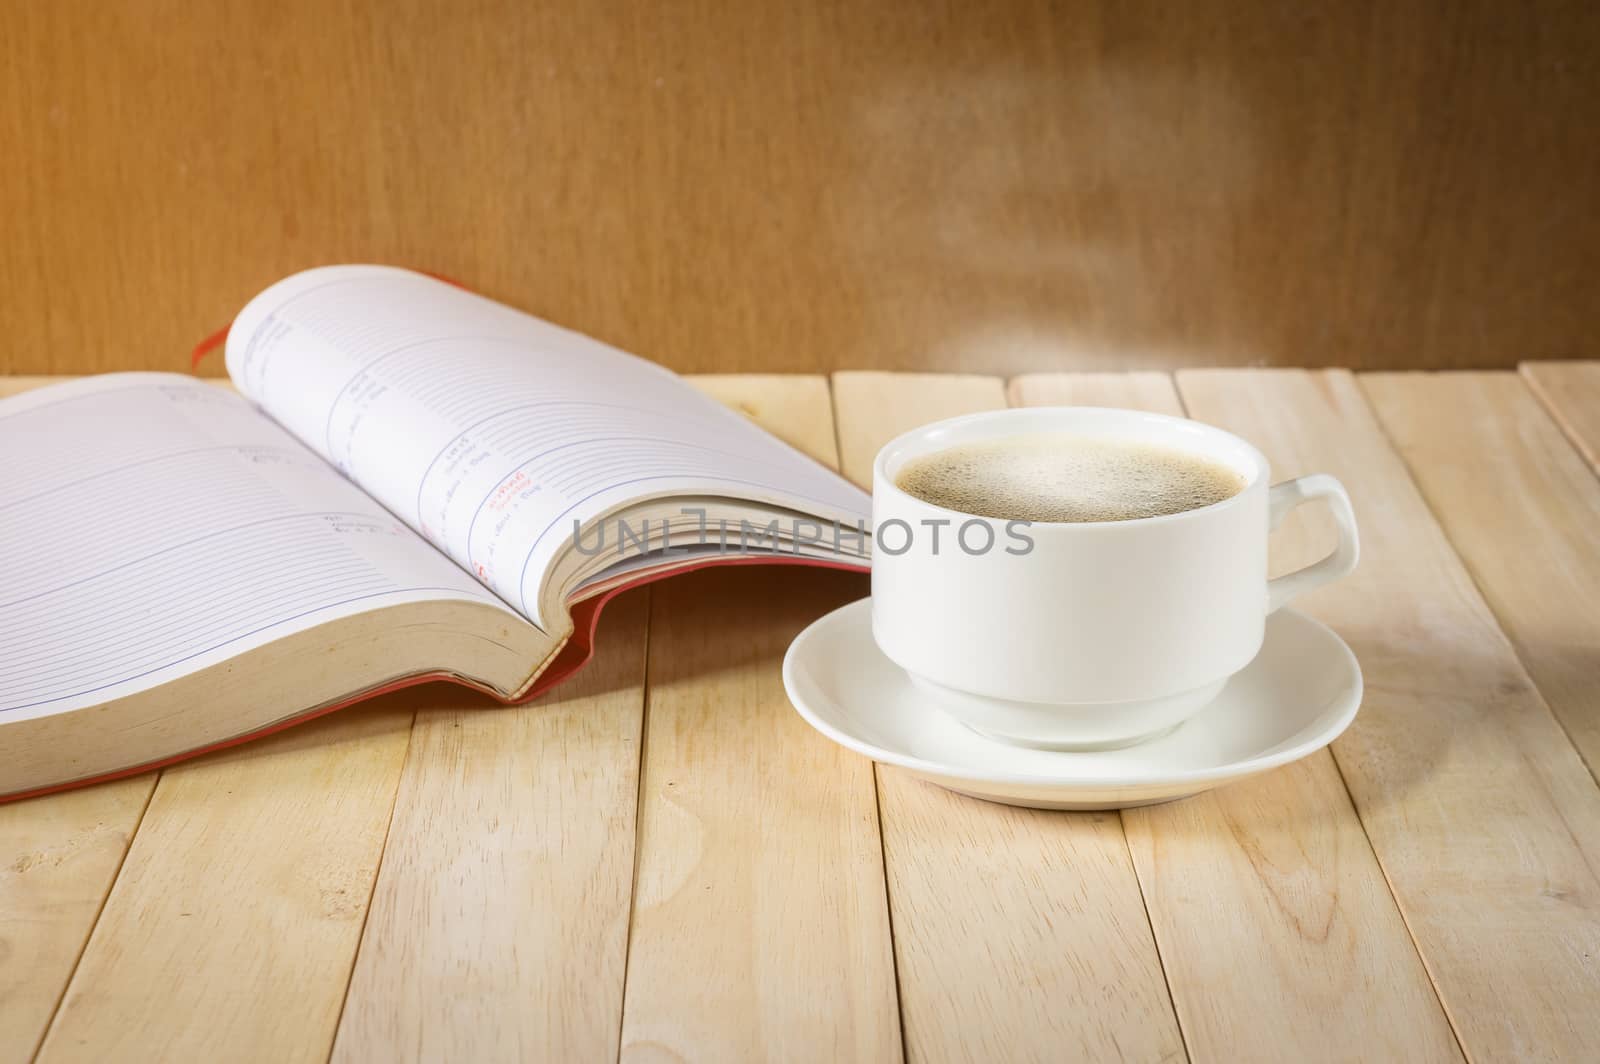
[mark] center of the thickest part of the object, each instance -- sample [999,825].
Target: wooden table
[664,859]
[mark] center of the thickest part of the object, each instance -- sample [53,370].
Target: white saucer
[1299,693]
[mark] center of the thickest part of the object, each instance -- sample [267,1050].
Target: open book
[411,483]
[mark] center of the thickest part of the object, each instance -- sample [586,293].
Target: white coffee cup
[1099,634]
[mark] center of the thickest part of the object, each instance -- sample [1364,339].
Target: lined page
[152,525]
[491,432]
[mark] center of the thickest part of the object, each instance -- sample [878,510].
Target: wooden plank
[18,385]
[230,931]
[785,405]
[1571,391]
[1265,896]
[498,929]
[1148,390]
[58,857]
[1483,816]
[760,926]
[883,405]
[1522,508]
[1019,934]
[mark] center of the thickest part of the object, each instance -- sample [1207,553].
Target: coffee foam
[1067,478]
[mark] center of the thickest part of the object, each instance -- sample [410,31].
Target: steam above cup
[1083,634]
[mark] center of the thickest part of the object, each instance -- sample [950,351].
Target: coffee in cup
[1061,477]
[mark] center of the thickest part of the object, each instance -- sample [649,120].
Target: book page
[153,525]
[493,433]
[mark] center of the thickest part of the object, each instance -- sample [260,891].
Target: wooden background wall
[996,184]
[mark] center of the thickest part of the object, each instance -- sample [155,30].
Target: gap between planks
[59,856]
[638,807]
[498,924]
[1001,914]
[877,771]
[241,899]
[1521,506]
[760,924]
[1484,818]
[1571,392]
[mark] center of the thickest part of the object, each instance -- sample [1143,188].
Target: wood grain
[785,405]
[1152,391]
[1483,816]
[882,405]
[1571,391]
[499,926]
[1019,934]
[1265,896]
[58,857]
[232,926]
[760,926]
[1004,186]
[1522,508]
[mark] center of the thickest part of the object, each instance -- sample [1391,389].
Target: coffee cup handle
[1285,497]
